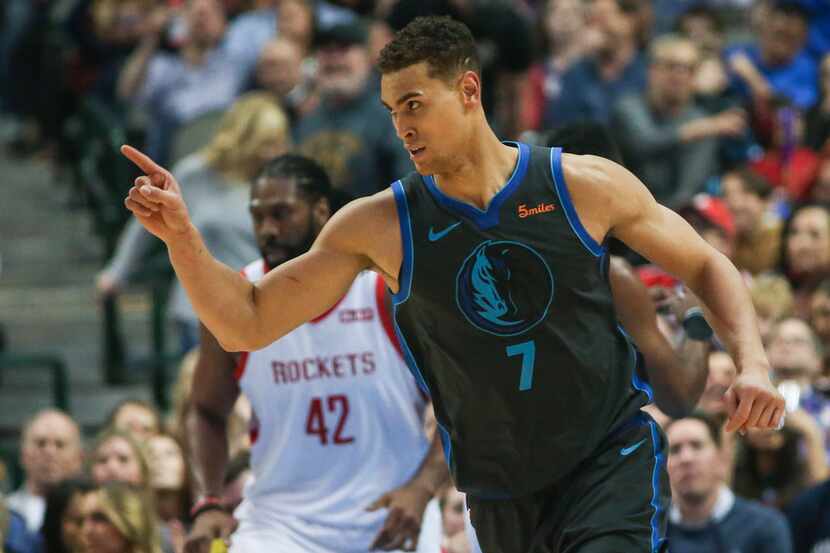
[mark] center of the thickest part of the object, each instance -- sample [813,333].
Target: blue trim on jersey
[446,443]
[489,218]
[567,204]
[636,381]
[408,262]
[659,461]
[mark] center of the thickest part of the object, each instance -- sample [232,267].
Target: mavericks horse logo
[504,287]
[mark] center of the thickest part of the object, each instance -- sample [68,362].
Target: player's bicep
[655,231]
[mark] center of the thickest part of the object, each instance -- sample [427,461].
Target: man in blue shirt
[706,517]
[809,517]
[778,65]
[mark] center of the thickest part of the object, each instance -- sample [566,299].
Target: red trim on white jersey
[385,315]
[239,370]
[320,318]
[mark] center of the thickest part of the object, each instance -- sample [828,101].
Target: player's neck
[481,170]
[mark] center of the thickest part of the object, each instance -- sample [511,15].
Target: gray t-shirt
[652,149]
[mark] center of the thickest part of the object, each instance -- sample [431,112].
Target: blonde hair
[251,122]
[137,448]
[772,296]
[131,511]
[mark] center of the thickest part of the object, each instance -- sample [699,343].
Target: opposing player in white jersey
[338,418]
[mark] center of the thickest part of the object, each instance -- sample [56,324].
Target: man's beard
[289,251]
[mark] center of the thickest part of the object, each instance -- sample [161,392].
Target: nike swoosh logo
[631,449]
[436,236]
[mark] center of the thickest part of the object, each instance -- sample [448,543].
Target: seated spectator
[703,26]
[117,457]
[794,353]
[787,164]
[819,320]
[563,41]
[175,88]
[50,451]
[119,519]
[818,118]
[168,477]
[615,68]
[776,65]
[214,183]
[722,373]
[666,140]
[774,466]
[757,227]
[350,133]
[705,515]
[809,518]
[280,71]
[805,257]
[137,417]
[772,297]
[712,403]
[61,530]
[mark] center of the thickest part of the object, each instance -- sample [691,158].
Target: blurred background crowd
[722,107]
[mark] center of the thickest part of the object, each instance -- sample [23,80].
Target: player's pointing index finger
[142,160]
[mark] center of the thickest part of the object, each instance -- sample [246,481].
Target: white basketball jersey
[338,422]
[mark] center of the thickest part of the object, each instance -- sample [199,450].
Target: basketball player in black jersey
[494,252]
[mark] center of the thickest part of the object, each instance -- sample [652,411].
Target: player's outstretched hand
[207,527]
[403,523]
[752,402]
[156,199]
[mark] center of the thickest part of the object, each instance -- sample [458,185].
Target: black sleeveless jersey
[506,319]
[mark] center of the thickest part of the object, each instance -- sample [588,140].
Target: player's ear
[470,87]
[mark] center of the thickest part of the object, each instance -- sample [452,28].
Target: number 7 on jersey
[528,352]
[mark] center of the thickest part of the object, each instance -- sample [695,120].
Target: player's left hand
[403,523]
[752,402]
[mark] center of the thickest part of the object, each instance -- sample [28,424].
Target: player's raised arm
[241,315]
[612,200]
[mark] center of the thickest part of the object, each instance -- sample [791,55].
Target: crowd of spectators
[721,107]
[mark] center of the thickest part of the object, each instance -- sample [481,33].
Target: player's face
[695,466]
[431,116]
[284,220]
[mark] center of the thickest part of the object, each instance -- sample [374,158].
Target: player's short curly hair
[445,44]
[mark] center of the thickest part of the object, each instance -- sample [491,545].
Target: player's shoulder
[589,170]
[369,214]
[604,184]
